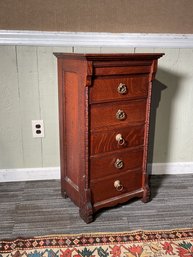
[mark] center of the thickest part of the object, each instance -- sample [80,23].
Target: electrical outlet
[38,128]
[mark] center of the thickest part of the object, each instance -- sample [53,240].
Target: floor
[37,208]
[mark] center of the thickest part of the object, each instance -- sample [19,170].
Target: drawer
[110,89]
[117,113]
[106,141]
[137,68]
[116,163]
[105,189]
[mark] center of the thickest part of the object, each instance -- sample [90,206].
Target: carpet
[124,244]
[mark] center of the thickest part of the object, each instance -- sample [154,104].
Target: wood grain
[105,141]
[136,87]
[104,165]
[104,115]
[121,70]
[71,118]
[103,189]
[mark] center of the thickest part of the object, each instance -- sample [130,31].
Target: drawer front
[110,89]
[106,141]
[143,68]
[116,163]
[117,114]
[110,187]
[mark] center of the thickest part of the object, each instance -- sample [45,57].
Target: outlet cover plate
[38,128]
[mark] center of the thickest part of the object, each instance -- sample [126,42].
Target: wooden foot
[86,214]
[87,218]
[86,210]
[146,195]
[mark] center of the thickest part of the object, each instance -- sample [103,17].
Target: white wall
[28,91]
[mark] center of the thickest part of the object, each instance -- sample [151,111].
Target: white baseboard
[95,39]
[172,168]
[29,174]
[49,173]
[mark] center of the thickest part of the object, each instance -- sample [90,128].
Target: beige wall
[152,16]
[28,90]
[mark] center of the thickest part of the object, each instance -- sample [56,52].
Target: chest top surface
[110,57]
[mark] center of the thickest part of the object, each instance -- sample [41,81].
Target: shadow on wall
[160,125]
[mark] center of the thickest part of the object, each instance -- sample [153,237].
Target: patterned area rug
[128,244]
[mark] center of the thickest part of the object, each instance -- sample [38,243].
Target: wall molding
[49,173]
[95,39]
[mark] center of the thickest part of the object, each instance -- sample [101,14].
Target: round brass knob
[120,115]
[122,89]
[118,186]
[120,139]
[118,164]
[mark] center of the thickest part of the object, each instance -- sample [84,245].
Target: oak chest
[104,109]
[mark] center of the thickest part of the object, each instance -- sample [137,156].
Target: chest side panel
[70,80]
[73,124]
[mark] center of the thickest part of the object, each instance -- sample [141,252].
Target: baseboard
[29,174]
[173,168]
[95,39]
[49,173]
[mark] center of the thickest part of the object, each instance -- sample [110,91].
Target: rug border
[95,234]
[116,233]
[110,239]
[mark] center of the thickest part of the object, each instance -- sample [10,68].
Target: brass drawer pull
[118,164]
[122,89]
[118,186]
[120,115]
[120,139]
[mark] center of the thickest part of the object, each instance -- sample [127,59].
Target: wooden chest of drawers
[104,107]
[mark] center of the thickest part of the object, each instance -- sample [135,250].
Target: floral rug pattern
[127,244]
